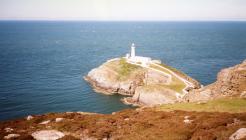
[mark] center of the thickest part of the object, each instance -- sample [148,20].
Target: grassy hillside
[220,105]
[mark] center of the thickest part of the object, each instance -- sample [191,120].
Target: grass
[176,84]
[220,105]
[125,69]
[122,69]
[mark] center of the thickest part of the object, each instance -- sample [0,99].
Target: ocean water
[42,62]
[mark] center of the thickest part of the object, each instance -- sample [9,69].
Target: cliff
[149,85]
[231,82]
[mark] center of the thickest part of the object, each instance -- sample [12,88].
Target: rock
[11,136]
[8,130]
[45,122]
[29,117]
[231,83]
[187,120]
[243,94]
[126,119]
[113,113]
[86,113]
[154,95]
[47,135]
[239,134]
[59,119]
[186,117]
[69,112]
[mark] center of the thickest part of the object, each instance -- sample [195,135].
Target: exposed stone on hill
[8,130]
[231,82]
[47,135]
[11,136]
[59,119]
[45,122]
[29,117]
[239,134]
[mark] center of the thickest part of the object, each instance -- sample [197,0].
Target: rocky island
[149,82]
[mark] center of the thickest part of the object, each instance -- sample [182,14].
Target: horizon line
[169,20]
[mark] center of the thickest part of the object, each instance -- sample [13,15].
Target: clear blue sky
[123,9]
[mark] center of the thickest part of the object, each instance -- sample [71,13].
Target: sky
[123,10]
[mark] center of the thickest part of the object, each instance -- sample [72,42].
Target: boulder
[8,130]
[239,134]
[59,119]
[11,136]
[47,135]
[45,122]
[29,117]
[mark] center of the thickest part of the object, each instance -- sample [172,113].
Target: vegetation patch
[221,105]
[131,124]
[125,69]
[176,84]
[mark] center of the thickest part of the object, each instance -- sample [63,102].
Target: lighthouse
[139,60]
[133,50]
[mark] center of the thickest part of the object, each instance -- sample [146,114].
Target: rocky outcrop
[231,82]
[109,79]
[152,95]
[147,86]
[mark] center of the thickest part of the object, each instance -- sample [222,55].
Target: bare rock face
[152,95]
[231,82]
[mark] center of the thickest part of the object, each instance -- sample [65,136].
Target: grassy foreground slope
[221,105]
[139,124]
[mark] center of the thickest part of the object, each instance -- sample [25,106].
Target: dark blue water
[42,63]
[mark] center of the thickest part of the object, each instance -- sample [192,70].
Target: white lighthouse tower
[133,50]
[140,60]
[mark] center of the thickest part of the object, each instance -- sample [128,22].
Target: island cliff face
[151,85]
[231,82]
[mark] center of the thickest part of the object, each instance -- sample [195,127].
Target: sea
[42,63]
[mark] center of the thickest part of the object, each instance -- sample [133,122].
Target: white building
[144,61]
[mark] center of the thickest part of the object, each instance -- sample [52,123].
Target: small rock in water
[59,119]
[11,136]
[29,117]
[113,113]
[45,122]
[7,130]
[239,134]
[47,135]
